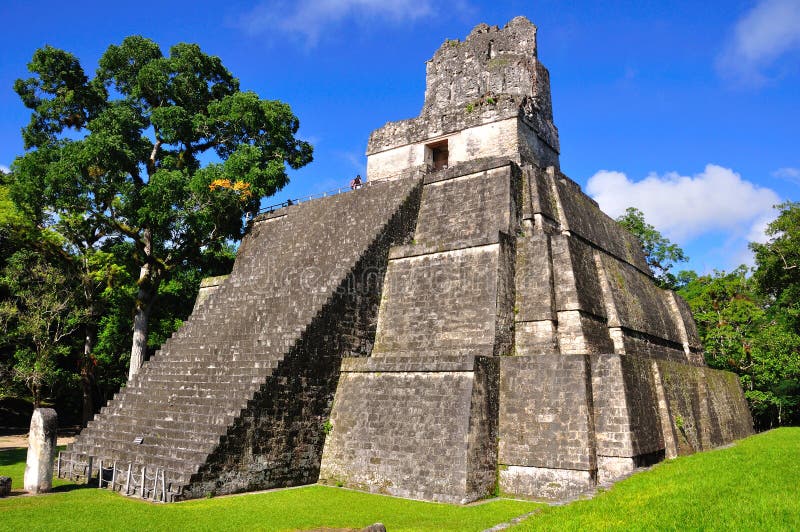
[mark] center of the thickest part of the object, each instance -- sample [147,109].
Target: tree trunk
[148,288]
[37,396]
[87,377]
[139,347]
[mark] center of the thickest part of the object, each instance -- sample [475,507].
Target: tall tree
[729,314]
[778,263]
[661,254]
[41,316]
[742,332]
[777,277]
[120,156]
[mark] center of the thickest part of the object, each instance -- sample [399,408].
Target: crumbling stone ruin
[467,323]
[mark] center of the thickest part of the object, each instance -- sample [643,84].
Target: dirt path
[13,441]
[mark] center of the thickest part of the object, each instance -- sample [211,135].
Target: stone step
[176,440]
[166,414]
[192,391]
[210,372]
[177,472]
[219,348]
[210,413]
[202,409]
[218,364]
[159,399]
[199,382]
[138,425]
[179,460]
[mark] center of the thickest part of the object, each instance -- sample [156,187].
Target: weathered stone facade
[238,398]
[514,274]
[469,322]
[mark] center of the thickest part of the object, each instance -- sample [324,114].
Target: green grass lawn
[752,485]
[12,464]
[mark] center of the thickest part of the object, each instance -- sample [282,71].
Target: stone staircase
[290,292]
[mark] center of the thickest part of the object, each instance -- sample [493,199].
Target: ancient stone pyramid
[469,322]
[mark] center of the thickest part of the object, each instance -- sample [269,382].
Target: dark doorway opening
[439,154]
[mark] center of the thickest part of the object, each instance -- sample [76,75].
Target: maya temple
[467,323]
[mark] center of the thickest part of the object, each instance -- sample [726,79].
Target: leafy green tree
[778,264]
[120,156]
[41,316]
[77,244]
[777,277]
[16,229]
[740,333]
[661,254]
[17,232]
[729,315]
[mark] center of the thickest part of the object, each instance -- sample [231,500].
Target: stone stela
[42,438]
[469,323]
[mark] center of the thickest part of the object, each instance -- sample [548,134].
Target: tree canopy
[748,318]
[742,332]
[120,159]
[660,253]
[778,263]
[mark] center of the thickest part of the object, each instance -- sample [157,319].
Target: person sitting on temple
[356,183]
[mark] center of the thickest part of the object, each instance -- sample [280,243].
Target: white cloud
[4,169]
[308,19]
[788,173]
[766,32]
[685,207]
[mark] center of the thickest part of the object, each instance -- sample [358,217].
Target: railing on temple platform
[303,199]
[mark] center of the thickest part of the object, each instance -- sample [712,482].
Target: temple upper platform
[486,96]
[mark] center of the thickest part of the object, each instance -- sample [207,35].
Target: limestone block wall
[644,319]
[208,286]
[580,215]
[567,422]
[237,398]
[706,407]
[593,339]
[422,427]
[479,204]
[277,440]
[537,138]
[582,320]
[442,292]
[419,418]
[604,298]
[546,426]
[442,303]
[627,423]
[496,136]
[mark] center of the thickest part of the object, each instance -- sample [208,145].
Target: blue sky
[687,110]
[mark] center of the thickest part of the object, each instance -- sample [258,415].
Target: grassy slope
[753,485]
[74,508]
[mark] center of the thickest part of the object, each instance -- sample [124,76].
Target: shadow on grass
[17,455]
[13,456]
[64,488]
